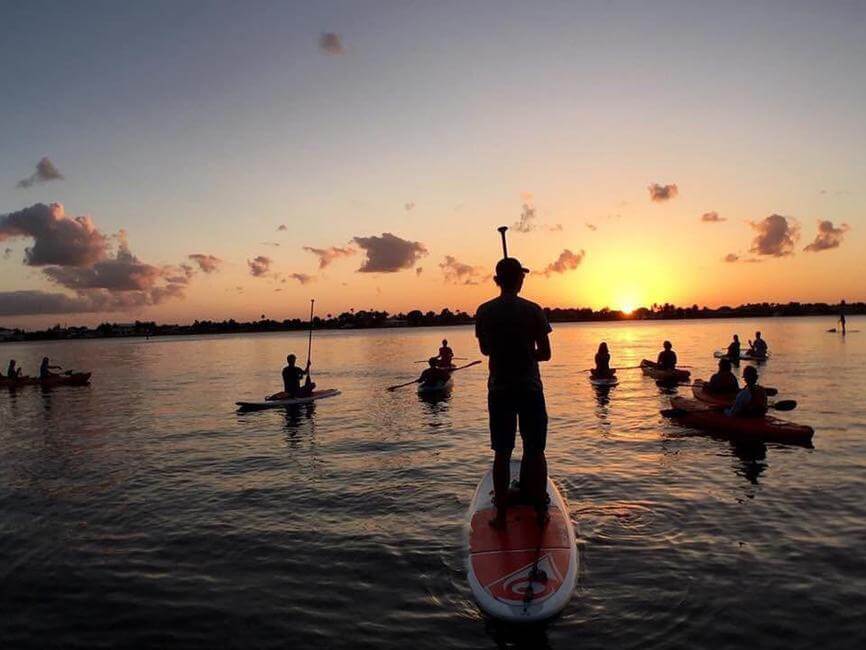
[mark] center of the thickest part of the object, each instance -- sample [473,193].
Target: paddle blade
[785,405]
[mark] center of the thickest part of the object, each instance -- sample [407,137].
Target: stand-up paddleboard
[523,571]
[438,387]
[277,403]
[603,382]
[744,356]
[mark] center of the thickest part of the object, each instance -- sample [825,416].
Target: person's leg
[503,429]
[533,431]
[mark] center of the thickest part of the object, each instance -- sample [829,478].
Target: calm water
[145,510]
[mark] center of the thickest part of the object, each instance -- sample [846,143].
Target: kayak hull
[438,387]
[651,370]
[706,417]
[75,379]
[744,356]
[505,564]
[283,403]
[699,390]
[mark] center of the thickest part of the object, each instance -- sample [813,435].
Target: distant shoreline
[416,318]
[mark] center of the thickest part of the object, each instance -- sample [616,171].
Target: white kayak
[277,403]
[603,382]
[438,387]
[522,572]
[744,356]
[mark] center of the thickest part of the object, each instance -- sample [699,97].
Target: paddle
[427,360]
[772,392]
[409,383]
[781,405]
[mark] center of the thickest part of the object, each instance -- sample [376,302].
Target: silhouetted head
[12,362]
[602,348]
[667,345]
[724,365]
[433,361]
[757,335]
[750,375]
[444,342]
[737,338]
[44,359]
[509,274]
[291,359]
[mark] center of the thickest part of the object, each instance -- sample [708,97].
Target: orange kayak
[702,393]
[706,417]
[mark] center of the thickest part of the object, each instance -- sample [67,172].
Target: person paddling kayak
[292,376]
[751,401]
[724,381]
[513,333]
[758,347]
[602,362]
[45,369]
[733,352]
[13,372]
[435,374]
[667,359]
[446,355]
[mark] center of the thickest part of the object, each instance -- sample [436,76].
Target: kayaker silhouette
[667,359]
[734,349]
[513,333]
[446,355]
[45,369]
[724,381]
[758,347]
[751,402]
[13,372]
[435,374]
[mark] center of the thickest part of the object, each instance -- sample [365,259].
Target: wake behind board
[277,403]
[522,572]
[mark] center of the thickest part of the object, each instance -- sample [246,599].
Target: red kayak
[701,392]
[74,379]
[651,369]
[706,417]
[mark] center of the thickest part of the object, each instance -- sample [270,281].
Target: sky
[363,154]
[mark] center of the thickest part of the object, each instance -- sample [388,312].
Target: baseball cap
[509,266]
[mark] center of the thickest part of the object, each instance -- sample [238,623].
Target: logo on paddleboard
[516,587]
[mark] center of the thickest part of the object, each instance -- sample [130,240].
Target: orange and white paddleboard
[522,571]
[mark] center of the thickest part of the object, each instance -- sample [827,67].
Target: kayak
[603,382]
[650,369]
[700,415]
[701,392]
[296,401]
[74,379]
[436,387]
[524,571]
[744,356]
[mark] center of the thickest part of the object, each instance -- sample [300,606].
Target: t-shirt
[667,359]
[602,361]
[509,326]
[723,383]
[292,379]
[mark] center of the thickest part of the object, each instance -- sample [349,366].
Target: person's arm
[483,343]
[542,338]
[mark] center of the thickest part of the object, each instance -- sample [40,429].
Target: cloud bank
[456,272]
[828,236]
[45,172]
[331,43]
[206,263]
[776,236]
[389,253]
[328,255]
[661,193]
[567,261]
[260,266]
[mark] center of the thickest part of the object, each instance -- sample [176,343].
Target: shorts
[508,405]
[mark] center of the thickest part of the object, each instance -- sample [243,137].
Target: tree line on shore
[367,319]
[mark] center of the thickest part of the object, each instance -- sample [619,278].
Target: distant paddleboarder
[513,333]
[758,348]
[734,349]
[842,317]
[292,376]
[446,355]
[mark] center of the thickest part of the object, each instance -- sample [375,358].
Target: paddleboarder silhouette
[513,333]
